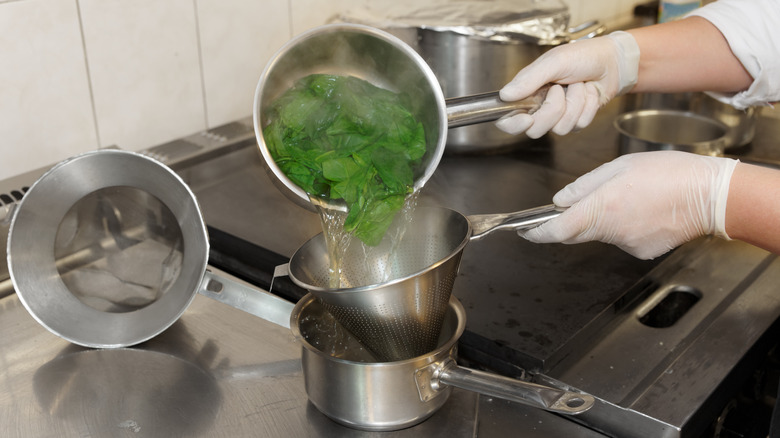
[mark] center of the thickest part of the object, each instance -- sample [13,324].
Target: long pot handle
[253,301]
[484,224]
[487,107]
[430,380]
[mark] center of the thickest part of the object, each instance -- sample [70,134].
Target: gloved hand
[646,203]
[595,71]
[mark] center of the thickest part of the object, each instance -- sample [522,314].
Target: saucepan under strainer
[393,297]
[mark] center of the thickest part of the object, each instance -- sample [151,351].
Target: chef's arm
[687,55]
[753,206]
[682,56]
[651,202]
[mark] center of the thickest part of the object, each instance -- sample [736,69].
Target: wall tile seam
[201,65]
[88,78]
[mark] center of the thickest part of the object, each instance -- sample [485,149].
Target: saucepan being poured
[381,91]
[348,117]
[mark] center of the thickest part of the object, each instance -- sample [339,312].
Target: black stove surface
[562,314]
[528,305]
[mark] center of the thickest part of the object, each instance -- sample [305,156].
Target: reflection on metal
[118,249]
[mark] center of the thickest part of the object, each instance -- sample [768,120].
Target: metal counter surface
[221,372]
[217,372]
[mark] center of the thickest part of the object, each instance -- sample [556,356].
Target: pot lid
[538,21]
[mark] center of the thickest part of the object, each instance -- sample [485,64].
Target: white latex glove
[646,203]
[594,70]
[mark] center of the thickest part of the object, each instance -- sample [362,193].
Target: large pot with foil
[475,47]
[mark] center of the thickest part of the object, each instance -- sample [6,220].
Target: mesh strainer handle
[484,224]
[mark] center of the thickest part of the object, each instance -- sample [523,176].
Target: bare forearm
[687,55]
[753,206]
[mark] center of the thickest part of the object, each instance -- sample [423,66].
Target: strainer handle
[484,224]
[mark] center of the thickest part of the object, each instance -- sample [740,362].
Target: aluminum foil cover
[537,21]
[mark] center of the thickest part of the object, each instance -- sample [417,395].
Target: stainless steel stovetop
[664,345]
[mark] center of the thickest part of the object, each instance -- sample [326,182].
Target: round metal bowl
[740,124]
[653,130]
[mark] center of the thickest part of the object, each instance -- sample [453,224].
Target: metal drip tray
[651,374]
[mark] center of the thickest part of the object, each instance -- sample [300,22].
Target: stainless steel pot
[467,64]
[385,61]
[740,125]
[653,130]
[108,248]
[344,382]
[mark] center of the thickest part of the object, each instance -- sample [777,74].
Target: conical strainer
[393,297]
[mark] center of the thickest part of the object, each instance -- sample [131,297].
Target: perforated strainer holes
[405,326]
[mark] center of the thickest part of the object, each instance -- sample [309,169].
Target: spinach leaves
[340,137]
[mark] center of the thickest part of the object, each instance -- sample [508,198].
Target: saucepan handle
[488,107]
[484,224]
[251,300]
[431,379]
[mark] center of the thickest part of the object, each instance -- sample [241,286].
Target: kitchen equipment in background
[344,384]
[654,130]
[108,248]
[740,124]
[475,47]
[387,62]
[393,296]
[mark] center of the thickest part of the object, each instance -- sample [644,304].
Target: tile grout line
[200,61]
[89,77]
[290,19]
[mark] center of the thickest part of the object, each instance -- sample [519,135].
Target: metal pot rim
[33,231]
[622,119]
[445,346]
[325,291]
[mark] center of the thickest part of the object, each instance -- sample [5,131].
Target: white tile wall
[76,75]
[144,69]
[45,106]
[237,38]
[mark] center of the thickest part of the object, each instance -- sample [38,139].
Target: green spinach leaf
[340,137]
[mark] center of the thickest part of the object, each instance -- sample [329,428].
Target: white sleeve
[751,30]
